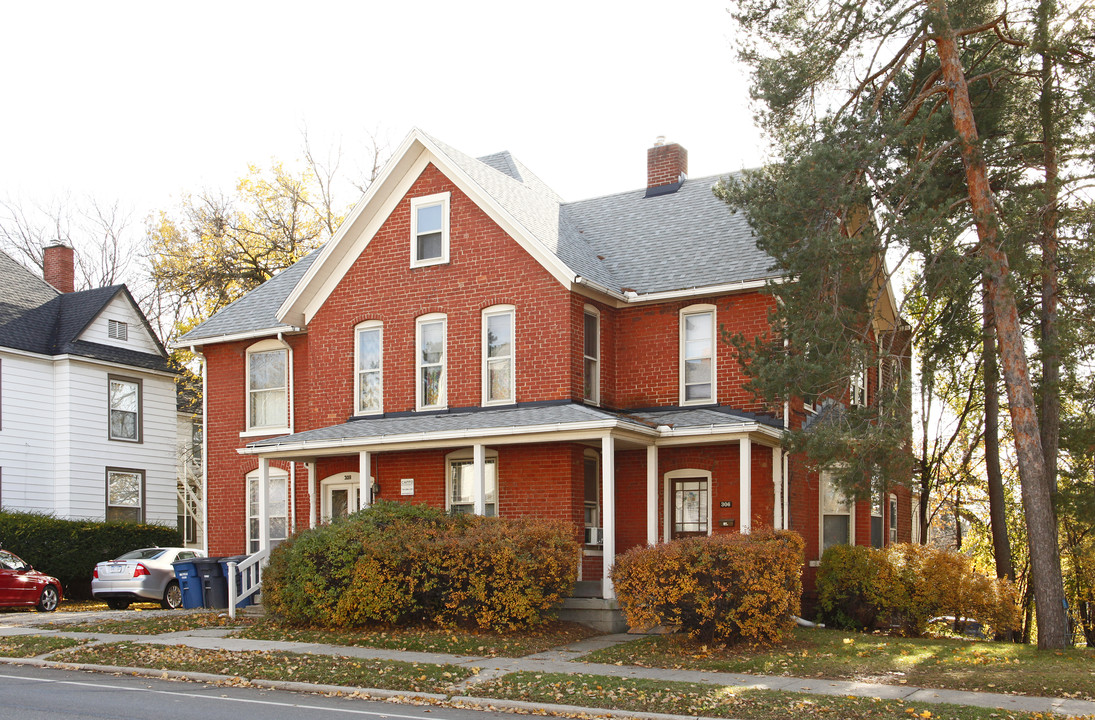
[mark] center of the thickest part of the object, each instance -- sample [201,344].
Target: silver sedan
[141,575]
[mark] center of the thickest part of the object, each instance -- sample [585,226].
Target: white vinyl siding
[498,355]
[120,310]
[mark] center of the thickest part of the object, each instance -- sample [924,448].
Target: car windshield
[143,554]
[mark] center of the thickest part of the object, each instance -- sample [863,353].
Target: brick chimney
[665,164]
[59,267]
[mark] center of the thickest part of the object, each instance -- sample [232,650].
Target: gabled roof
[46,323]
[624,245]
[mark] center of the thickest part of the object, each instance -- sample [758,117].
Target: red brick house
[471,341]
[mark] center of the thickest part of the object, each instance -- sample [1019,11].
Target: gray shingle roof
[625,242]
[46,322]
[703,417]
[21,290]
[257,310]
[499,419]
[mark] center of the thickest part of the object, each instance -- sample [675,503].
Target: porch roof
[515,424]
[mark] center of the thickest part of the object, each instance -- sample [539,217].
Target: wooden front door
[690,507]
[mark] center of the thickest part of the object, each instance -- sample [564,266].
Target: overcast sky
[142,101]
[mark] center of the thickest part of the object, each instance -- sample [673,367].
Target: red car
[22,585]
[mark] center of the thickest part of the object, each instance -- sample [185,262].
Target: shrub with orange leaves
[904,586]
[722,587]
[397,563]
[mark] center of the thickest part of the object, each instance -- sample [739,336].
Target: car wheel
[117,604]
[47,601]
[172,596]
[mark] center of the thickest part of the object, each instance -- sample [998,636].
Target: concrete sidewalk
[563,660]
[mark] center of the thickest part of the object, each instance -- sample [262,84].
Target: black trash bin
[214,584]
[250,599]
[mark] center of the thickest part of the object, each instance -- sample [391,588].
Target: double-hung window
[125,409]
[430,230]
[893,519]
[277,508]
[460,495]
[858,389]
[836,515]
[124,495]
[697,355]
[268,386]
[591,355]
[369,378]
[430,343]
[498,352]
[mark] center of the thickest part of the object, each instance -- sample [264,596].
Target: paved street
[33,693]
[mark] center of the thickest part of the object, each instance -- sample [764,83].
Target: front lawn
[251,664]
[32,645]
[430,639]
[939,663]
[682,698]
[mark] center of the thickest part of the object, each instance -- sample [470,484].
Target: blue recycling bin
[189,583]
[250,599]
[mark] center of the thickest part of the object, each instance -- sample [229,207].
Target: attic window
[430,230]
[117,330]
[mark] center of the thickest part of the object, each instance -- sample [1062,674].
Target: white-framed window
[124,495]
[277,508]
[430,230]
[117,330]
[268,386]
[914,536]
[697,350]
[459,482]
[499,372]
[876,518]
[837,515]
[124,399]
[591,355]
[340,495]
[430,342]
[893,519]
[591,471]
[369,368]
[858,387]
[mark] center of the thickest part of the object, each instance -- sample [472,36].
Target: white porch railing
[250,573]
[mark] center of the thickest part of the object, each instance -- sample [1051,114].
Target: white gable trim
[372,211]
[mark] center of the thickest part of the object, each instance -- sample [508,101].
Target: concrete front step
[598,613]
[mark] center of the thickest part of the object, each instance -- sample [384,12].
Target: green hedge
[69,549]
[716,588]
[396,563]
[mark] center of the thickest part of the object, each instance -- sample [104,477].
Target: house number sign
[726,503]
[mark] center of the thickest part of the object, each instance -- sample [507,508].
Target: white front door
[340,496]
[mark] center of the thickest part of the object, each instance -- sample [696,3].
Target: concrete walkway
[565,659]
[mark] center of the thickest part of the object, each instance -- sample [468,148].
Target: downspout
[289,353]
[205,448]
[292,496]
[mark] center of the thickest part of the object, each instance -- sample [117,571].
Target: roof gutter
[182,343]
[632,297]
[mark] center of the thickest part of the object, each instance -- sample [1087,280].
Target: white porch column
[745,497]
[777,486]
[311,467]
[651,494]
[364,479]
[608,495]
[479,478]
[264,504]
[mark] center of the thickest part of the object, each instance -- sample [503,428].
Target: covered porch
[655,475]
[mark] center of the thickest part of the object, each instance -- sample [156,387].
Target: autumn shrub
[904,586]
[396,563]
[716,588]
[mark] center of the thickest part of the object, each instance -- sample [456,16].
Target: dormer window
[430,230]
[117,330]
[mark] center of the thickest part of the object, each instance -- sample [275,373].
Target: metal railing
[250,574]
